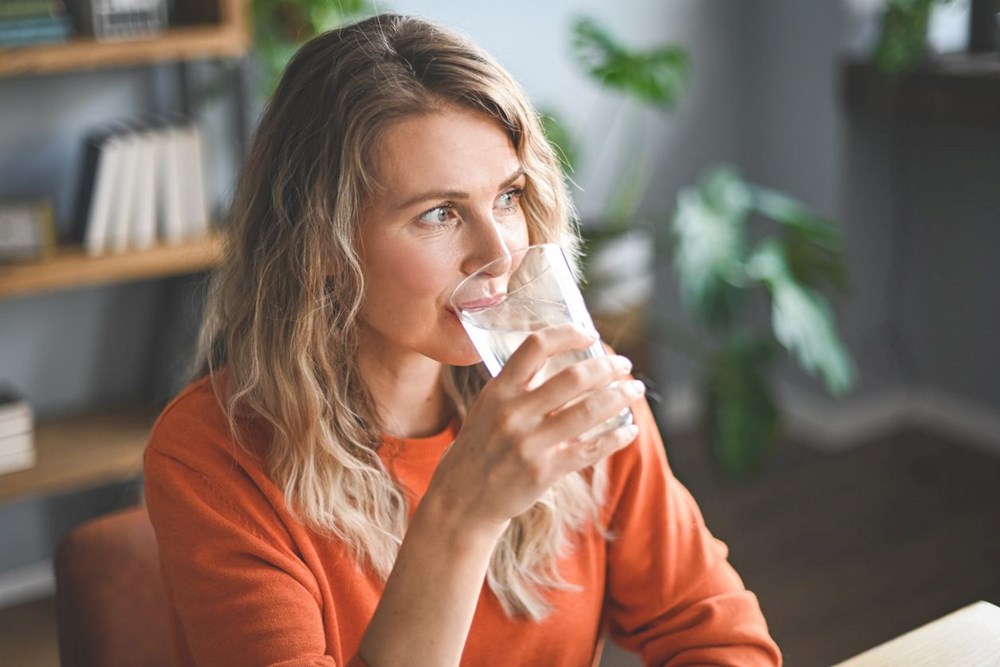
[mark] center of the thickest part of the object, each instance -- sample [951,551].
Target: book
[22,459]
[16,416]
[123,207]
[171,216]
[107,172]
[193,199]
[10,9]
[25,32]
[17,446]
[143,219]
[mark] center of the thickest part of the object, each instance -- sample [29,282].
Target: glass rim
[478,272]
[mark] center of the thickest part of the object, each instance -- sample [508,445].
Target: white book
[16,420]
[17,423]
[123,208]
[193,188]
[17,442]
[21,459]
[96,235]
[143,233]
[170,208]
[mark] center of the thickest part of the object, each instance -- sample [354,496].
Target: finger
[576,380]
[539,346]
[582,454]
[590,411]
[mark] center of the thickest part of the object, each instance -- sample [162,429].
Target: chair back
[110,602]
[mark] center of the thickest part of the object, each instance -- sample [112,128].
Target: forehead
[445,149]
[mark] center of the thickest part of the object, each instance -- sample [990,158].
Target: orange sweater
[249,585]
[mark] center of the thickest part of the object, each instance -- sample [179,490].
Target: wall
[918,206]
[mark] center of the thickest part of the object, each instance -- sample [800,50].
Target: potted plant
[794,261]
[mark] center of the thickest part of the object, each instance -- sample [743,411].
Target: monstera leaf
[802,319]
[709,234]
[656,76]
[813,245]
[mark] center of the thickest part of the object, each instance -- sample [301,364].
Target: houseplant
[732,243]
[793,259]
[281,26]
[902,43]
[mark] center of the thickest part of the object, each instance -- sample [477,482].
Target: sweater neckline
[423,448]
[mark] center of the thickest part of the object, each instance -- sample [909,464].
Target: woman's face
[449,203]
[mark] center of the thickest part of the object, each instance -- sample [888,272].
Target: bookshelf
[82,451]
[71,267]
[184,43]
[199,29]
[96,448]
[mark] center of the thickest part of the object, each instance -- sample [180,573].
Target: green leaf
[802,319]
[741,413]
[903,42]
[282,26]
[816,265]
[813,245]
[656,76]
[709,229]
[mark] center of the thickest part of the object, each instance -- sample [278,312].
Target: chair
[110,602]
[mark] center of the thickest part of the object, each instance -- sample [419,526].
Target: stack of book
[17,426]
[143,184]
[109,20]
[27,22]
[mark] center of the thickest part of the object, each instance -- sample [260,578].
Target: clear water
[499,330]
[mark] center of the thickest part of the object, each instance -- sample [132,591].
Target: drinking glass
[531,289]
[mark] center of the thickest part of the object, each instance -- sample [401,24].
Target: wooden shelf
[71,267]
[184,43]
[961,89]
[80,452]
[205,29]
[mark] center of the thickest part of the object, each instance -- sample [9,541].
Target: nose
[486,248]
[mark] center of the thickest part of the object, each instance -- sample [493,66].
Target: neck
[407,392]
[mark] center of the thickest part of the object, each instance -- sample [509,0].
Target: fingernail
[591,334]
[621,364]
[631,431]
[635,388]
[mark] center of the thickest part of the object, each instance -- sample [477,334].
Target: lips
[480,304]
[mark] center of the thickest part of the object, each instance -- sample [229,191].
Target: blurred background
[791,209]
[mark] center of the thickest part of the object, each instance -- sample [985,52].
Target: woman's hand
[518,440]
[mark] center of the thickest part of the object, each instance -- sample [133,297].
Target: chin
[460,352]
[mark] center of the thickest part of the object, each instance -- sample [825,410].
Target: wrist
[456,529]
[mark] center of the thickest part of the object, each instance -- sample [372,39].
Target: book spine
[31,8]
[36,22]
[34,34]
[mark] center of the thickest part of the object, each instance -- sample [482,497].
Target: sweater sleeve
[672,595]
[240,594]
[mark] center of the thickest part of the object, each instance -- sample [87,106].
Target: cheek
[516,235]
[402,276]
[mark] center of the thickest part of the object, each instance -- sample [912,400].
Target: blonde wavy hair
[282,318]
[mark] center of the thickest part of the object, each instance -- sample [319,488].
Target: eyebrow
[454,194]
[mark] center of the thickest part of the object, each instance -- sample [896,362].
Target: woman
[343,484]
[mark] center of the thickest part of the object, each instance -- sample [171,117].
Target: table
[969,637]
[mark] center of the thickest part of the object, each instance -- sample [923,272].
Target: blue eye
[438,215]
[509,200]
